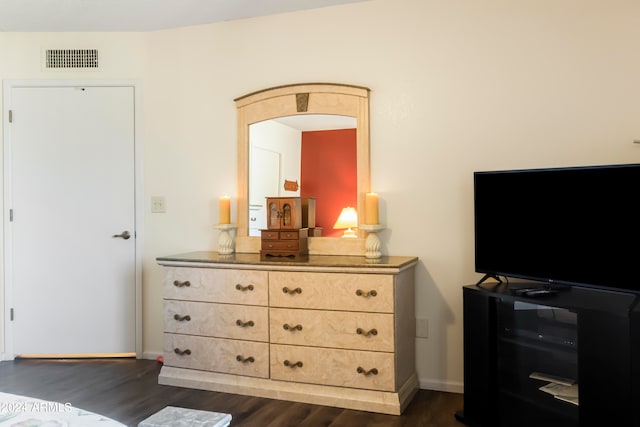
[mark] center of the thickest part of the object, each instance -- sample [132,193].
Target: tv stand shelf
[587,335]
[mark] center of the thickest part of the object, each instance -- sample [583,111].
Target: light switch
[158,204]
[422,328]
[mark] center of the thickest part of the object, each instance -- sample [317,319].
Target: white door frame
[6,324]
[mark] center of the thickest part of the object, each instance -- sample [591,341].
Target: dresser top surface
[338,261]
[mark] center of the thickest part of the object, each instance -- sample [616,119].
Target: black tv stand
[591,336]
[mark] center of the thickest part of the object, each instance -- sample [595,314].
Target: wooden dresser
[327,330]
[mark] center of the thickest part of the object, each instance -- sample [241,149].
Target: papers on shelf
[567,393]
[551,378]
[564,389]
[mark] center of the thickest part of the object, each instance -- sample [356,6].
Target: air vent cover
[71,58]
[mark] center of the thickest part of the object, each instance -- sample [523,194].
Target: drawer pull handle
[373,371]
[179,284]
[249,359]
[182,318]
[244,324]
[371,293]
[298,364]
[361,331]
[179,352]
[244,288]
[288,327]
[291,291]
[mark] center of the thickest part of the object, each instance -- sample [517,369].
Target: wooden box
[284,243]
[308,212]
[284,213]
[291,213]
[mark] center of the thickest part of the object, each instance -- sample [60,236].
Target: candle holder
[372,243]
[225,241]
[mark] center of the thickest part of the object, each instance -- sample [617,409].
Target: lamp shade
[348,219]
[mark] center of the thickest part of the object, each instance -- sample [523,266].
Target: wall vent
[71,58]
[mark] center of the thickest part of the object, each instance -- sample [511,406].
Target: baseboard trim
[440,385]
[151,355]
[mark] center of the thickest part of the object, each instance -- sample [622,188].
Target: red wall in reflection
[328,174]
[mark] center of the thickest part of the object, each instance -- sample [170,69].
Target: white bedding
[21,411]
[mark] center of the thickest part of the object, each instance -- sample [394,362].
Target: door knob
[124,235]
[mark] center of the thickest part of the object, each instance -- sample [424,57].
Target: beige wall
[456,86]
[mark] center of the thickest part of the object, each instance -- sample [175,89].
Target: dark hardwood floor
[127,390]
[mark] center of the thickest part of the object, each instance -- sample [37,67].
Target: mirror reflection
[308,155]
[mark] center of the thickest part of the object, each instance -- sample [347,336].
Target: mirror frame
[296,99]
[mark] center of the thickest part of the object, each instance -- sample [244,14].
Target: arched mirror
[296,108]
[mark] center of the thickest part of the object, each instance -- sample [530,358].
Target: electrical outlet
[422,328]
[158,204]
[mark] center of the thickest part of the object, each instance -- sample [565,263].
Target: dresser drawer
[285,235]
[269,235]
[336,329]
[244,322]
[216,285]
[217,355]
[280,245]
[342,368]
[332,291]
[302,233]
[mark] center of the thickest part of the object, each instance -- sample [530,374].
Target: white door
[71,160]
[264,182]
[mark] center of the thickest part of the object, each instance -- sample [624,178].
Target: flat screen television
[566,226]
